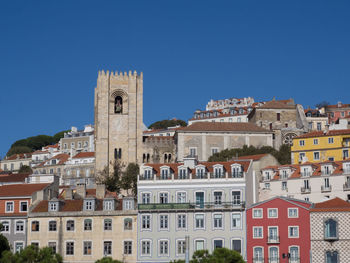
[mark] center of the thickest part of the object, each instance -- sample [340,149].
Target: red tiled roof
[224,127]
[279,104]
[84,155]
[20,189]
[40,152]
[163,130]
[62,158]
[336,106]
[19,156]
[322,133]
[252,157]
[51,146]
[13,178]
[333,205]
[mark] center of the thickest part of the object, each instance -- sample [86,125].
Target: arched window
[165,158]
[148,157]
[330,229]
[127,224]
[144,158]
[118,104]
[169,158]
[332,257]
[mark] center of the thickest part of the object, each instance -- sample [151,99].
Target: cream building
[76,141]
[14,162]
[86,225]
[314,182]
[118,118]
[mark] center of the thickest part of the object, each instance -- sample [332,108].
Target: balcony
[217,175]
[200,176]
[305,174]
[325,173]
[305,190]
[325,189]
[346,186]
[192,206]
[274,260]
[258,260]
[273,239]
[146,177]
[331,238]
[294,260]
[236,175]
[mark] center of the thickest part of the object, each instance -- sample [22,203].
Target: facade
[314,182]
[316,120]
[76,141]
[44,154]
[319,146]
[203,139]
[15,201]
[278,230]
[330,233]
[337,111]
[221,115]
[14,162]
[80,169]
[159,149]
[227,103]
[118,118]
[283,117]
[86,225]
[13,178]
[170,131]
[204,201]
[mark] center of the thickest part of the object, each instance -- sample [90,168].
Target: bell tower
[118,118]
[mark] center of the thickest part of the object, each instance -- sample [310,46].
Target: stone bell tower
[118,118]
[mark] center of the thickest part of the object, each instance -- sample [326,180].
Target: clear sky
[189,52]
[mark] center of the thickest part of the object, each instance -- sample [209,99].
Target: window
[284,186]
[217,198]
[107,247]
[273,233]
[35,226]
[218,172]
[53,206]
[24,206]
[217,220]
[236,197]
[146,221]
[69,248]
[70,225]
[257,213]
[9,207]
[35,244]
[52,226]
[5,226]
[87,224]
[330,140]
[301,143]
[181,197]
[87,248]
[163,198]
[128,224]
[193,152]
[258,254]
[181,247]
[199,219]
[293,231]
[107,224]
[19,226]
[236,220]
[127,247]
[181,221]
[146,198]
[273,254]
[345,154]
[108,205]
[316,155]
[293,212]
[89,205]
[294,254]
[278,116]
[215,150]
[199,245]
[163,221]
[182,173]
[257,232]
[163,247]
[332,257]
[145,248]
[237,245]
[218,243]
[165,173]
[315,141]
[330,229]
[272,213]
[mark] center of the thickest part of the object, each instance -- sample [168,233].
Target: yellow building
[320,146]
[86,225]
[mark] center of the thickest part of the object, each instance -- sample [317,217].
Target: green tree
[18,149]
[219,255]
[107,260]
[25,169]
[112,179]
[4,244]
[129,178]
[57,137]
[31,254]
[167,123]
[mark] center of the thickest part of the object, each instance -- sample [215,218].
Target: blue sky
[189,52]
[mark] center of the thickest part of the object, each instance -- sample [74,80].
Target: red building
[278,231]
[337,111]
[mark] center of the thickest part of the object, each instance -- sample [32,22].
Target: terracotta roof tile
[84,155]
[13,178]
[19,156]
[279,104]
[62,158]
[20,189]
[333,205]
[322,133]
[224,127]
[254,157]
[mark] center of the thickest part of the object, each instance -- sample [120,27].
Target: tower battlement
[119,75]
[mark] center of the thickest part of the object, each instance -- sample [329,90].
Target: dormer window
[148,174]
[284,174]
[108,205]
[53,161]
[218,172]
[326,170]
[236,171]
[305,172]
[89,205]
[164,173]
[200,172]
[346,168]
[183,173]
[53,206]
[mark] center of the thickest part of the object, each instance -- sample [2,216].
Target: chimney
[100,191]
[81,190]
[339,104]
[69,194]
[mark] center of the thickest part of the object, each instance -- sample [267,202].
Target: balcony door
[200,199]
[273,255]
[273,234]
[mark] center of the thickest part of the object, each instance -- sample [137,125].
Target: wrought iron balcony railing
[191,206]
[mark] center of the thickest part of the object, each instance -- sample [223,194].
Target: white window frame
[301,142]
[241,219]
[146,193]
[177,247]
[262,232]
[109,240]
[218,238]
[15,245]
[24,226]
[9,226]
[150,222]
[195,223]
[181,192]
[289,236]
[196,240]
[177,221]
[236,238]
[315,141]
[92,245]
[293,208]
[163,255]
[278,252]
[20,206]
[318,155]
[150,248]
[167,223]
[222,221]
[13,206]
[268,212]
[257,217]
[65,248]
[330,140]
[163,192]
[262,249]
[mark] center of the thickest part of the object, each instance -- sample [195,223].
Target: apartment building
[278,231]
[76,141]
[14,162]
[79,169]
[205,201]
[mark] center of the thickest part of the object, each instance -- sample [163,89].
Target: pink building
[278,231]
[337,111]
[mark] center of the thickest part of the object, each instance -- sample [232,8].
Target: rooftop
[333,205]
[224,127]
[323,133]
[15,190]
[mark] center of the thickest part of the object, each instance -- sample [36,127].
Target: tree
[4,243]
[32,254]
[18,149]
[167,123]
[25,169]
[57,137]
[322,104]
[129,178]
[112,179]
[220,255]
[107,260]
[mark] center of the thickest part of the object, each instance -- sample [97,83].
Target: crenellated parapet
[122,76]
